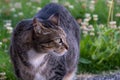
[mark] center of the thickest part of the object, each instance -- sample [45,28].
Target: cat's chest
[36,59]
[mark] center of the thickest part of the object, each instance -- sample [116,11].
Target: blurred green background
[100,31]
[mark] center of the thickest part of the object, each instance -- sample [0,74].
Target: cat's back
[50,9]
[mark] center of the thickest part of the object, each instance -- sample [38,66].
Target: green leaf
[84,61]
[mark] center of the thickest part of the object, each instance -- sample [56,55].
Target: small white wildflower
[9,29]
[3,74]
[109,3]
[20,13]
[85,32]
[66,4]
[86,20]
[90,27]
[54,1]
[118,27]
[85,29]
[7,23]
[13,9]
[92,2]
[87,15]
[95,17]
[117,15]
[71,6]
[38,9]
[92,8]
[83,23]
[92,34]
[18,5]
[0,44]
[112,24]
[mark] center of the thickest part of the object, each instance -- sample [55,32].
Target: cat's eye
[59,40]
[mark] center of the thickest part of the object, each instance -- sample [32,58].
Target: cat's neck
[36,59]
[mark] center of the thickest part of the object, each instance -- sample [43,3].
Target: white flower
[71,6]
[117,15]
[38,9]
[109,3]
[0,44]
[87,15]
[85,28]
[20,13]
[7,25]
[13,9]
[92,33]
[90,27]
[54,1]
[85,32]
[86,20]
[84,23]
[92,7]
[95,17]
[112,24]
[67,4]
[18,5]
[119,27]
[92,2]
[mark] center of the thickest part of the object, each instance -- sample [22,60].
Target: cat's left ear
[55,19]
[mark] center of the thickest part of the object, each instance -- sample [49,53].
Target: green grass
[100,52]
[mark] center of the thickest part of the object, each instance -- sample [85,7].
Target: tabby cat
[47,46]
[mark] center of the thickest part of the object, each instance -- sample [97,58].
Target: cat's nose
[66,46]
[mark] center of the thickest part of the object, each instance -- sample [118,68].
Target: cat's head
[49,36]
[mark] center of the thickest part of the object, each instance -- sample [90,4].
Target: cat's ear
[55,19]
[37,25]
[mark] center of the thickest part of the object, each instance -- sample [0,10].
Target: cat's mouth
[59,53]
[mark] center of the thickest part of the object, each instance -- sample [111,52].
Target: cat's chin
[59,53]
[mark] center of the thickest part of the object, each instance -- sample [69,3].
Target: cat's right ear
[37,25]
[55,19]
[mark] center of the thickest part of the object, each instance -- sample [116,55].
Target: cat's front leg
[70,76]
